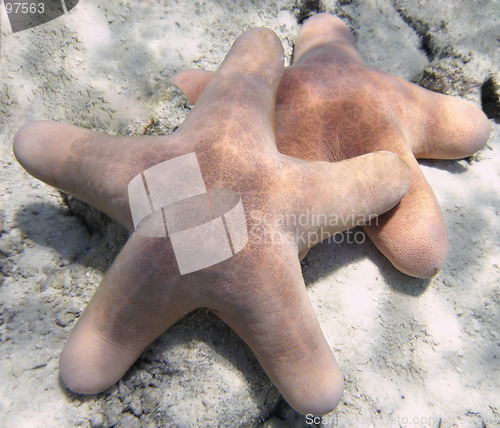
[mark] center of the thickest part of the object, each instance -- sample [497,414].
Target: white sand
[414,353]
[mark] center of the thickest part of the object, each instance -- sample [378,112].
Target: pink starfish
[245,268]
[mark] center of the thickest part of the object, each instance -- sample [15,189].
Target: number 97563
[25,7]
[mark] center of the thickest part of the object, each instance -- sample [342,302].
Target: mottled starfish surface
[259,291]
[331,106]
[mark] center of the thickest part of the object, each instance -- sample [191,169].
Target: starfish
[221,178]
[331,106]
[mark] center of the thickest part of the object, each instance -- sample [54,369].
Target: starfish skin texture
[259,292]
[331,106]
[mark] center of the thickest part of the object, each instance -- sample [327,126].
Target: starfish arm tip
[42,148]
[482,130]
[435,258]
[79,378]
[459,130]
[26,145]
[192,82]
[325,398]
[415,245]
[324,29]
[472,128]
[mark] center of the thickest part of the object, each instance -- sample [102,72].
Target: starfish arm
[240,98]
[323,31]
[92,166]
[141,295]
[269,308]
[413,235]
[454,128]
[192,82]
[353,192]
[352,109]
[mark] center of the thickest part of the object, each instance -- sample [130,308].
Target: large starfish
[226,145]
[331,106]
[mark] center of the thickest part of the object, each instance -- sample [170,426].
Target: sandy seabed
[414,353]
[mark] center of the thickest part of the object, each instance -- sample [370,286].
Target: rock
[98,420]
[128,420]
[285,417]
[135,405]
[66,317]
[112,410]
[460,73]
[462,44]
[148,402]
[275,423]
[11,243]
[490,97]
[124,391]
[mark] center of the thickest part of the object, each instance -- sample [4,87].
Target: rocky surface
[427,351]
